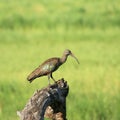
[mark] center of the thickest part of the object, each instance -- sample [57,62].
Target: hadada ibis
[49,66]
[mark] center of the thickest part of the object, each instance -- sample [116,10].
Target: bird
[49,66]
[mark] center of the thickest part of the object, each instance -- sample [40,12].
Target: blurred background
[32,31]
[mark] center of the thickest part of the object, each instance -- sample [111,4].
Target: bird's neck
[63,59]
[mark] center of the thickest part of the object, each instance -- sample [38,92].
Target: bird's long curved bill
[75,58]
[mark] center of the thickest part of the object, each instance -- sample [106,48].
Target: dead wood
[49,102]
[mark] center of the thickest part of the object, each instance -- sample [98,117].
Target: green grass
[31,32]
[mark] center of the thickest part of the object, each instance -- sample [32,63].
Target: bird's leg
[52,77]
[49,79]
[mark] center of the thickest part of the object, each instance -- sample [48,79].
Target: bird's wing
[50,65]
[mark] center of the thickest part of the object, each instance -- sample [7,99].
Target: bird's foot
[55,81]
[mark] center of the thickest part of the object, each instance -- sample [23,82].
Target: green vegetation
[32,31]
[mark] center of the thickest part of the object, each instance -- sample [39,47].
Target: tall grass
[52,14]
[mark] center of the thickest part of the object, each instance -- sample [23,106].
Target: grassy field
[31,32]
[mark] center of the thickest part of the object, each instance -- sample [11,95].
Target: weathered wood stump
[49,102]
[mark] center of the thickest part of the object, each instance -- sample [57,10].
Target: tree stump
[49,102]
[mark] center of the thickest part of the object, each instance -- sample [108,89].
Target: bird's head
[68,52]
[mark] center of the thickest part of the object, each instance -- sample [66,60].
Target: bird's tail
[30,79]
[35,74]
